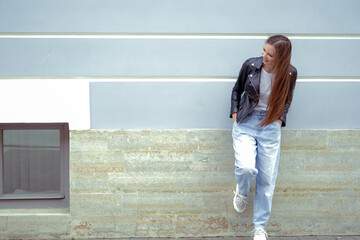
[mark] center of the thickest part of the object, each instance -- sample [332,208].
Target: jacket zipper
[254,87]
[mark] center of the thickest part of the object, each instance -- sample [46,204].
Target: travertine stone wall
[179,184]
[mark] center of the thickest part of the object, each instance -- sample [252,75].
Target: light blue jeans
[257,152]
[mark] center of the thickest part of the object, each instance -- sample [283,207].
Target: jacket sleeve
[238,89]
[292,87]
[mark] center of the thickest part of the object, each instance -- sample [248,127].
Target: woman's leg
[245,154]
[267,162]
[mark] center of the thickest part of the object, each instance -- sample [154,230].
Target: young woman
[260,101]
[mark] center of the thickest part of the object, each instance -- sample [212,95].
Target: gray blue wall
[171,63]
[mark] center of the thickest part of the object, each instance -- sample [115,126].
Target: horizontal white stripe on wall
[172,36]
[89,80]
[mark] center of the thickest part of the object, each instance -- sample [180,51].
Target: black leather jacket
[244,94]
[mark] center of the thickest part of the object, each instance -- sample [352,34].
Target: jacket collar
[258,62]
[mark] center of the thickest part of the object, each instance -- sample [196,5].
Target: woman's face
[268,54]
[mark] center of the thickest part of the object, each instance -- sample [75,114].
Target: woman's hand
[234,115]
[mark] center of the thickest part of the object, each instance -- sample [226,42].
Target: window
[34,165]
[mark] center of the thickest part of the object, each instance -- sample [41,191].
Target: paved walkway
[285,238]
[250,238]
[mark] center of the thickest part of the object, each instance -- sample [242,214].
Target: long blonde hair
[281,92]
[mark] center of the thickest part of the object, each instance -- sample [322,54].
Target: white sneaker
[260,234]
[239,201]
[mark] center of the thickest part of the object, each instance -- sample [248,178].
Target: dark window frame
[61,200]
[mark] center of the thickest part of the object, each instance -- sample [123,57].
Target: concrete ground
[287,238]
[250,238]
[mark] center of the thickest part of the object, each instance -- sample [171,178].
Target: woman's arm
[238,89]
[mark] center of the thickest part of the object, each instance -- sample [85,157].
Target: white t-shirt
[266,80]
